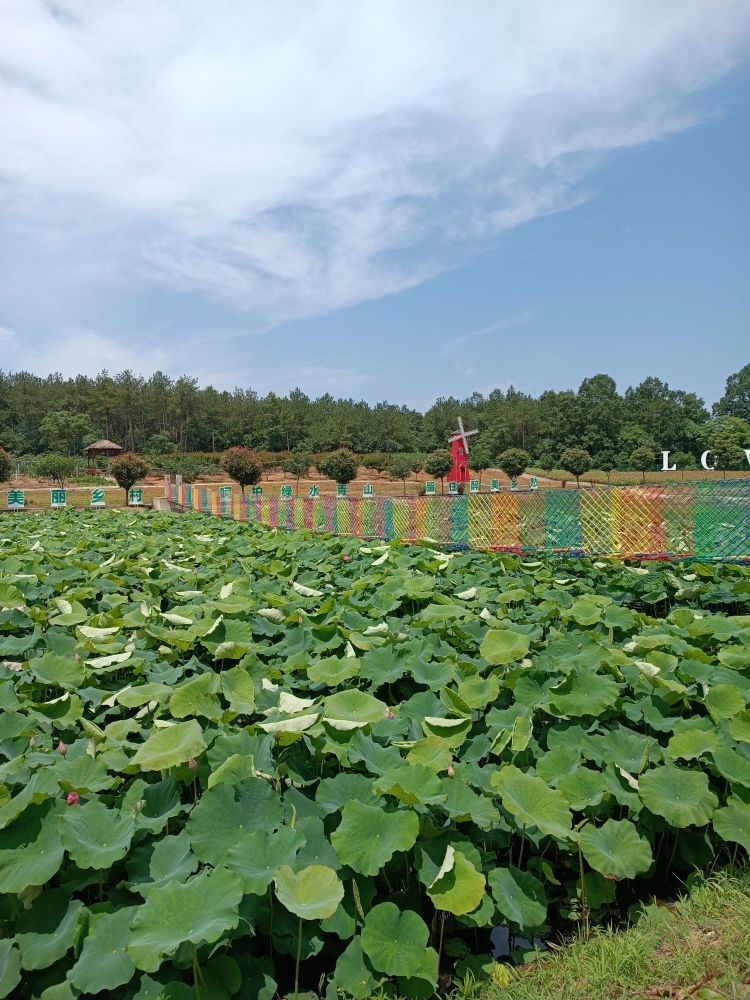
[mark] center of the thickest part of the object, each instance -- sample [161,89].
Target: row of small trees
[245,467]
[126,469]
[342,465]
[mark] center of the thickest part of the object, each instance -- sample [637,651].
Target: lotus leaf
[95,836]
[682,797]
[168,747]
[353,709]
[724,701]
[103,963]
[197,697]
[10,967]
[352,974]
[257,856]
[615,849]
[238,688]
[312,893]
[34,861]
[532,802]
[368,836]
[396,943]
[57,671]
[225,813]
[732,822]
[739,727]
[201,909]
[502,646]
[55,930]
[411,783]
[519,896]
[692,743]
[459,889]
[585,693]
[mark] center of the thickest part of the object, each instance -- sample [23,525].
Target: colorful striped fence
[688,520]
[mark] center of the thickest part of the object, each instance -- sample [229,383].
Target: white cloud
[293,158]
[81,352]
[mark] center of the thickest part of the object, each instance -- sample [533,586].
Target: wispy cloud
[506,323]
[290,159]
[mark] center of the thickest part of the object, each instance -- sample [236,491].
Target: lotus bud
[192,763]
[451,770]
[61,748]
[32,741]
[72,798]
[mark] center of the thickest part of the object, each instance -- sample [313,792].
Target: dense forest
[160,413]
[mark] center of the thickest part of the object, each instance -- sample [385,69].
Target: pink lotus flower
[451,770]
[61,748]
[72,798]
[192,763]
[347,558]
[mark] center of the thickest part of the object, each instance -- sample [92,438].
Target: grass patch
[699,948]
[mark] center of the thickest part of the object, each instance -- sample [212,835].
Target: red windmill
[460,453]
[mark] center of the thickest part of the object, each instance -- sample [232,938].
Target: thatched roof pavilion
[104,447]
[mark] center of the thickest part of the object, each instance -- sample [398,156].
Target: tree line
[161,414]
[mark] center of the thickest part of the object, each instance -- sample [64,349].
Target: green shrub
[6,465]
[401,468]
[341,466]
[576,461]
[127,469]
[514,462]
[242,465]
[438,464]
[642,459]
[58,468]
[298,465]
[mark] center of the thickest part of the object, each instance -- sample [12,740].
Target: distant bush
[514,462]
[242,465]
[576,461]
[298,465]
[401,467]
[161,444]
[377,461]
[438,464]
[127,469]
[341,466]
[642,459]
[480,460]
[6,464]
[58,468]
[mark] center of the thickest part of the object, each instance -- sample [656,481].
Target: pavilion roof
[103,445]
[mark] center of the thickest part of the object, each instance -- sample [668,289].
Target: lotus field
[244,762]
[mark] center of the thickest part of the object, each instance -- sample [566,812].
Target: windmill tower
[460,454]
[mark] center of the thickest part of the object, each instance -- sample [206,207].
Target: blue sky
[372,203]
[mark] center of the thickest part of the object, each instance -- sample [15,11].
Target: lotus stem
[584,898]
[674,850]
[196,974]
[440,942]
[296,967]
